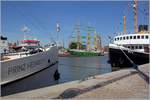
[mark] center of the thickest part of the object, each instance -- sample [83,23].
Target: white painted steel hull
[12,70]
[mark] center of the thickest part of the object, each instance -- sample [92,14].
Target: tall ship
[128,50]
[82,46]
[27,58]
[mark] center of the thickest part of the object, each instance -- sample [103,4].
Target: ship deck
[13,56]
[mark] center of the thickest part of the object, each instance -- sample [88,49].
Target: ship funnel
[143,28]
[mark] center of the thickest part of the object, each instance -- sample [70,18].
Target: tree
[73,45]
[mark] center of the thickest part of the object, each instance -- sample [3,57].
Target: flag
[58,27]
[25,29]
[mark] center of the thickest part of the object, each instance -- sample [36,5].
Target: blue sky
[41,18]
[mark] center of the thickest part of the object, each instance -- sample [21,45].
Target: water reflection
[74,68]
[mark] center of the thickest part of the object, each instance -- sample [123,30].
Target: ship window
[134,37]
[117,38]
[142,37]
[132,47]
[127,37]
[138,37]
[146,37]
[128,46]
[120,38]
[130,37]
[140,47]
[123,38]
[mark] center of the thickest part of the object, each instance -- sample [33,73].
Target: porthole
[123,38]
[120,38]
[136,47]
[134,37]
[127,37]
[48,60]
[130,37]
[140,47]
[146,36]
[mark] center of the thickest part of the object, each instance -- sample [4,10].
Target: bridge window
[130,37]
[142,36]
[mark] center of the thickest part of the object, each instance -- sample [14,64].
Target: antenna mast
[25,29]
[135,16]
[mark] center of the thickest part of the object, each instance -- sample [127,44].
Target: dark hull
[118,59]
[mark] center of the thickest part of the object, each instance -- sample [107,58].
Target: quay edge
[122,84]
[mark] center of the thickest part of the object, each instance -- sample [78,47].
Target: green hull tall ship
[84,53]
[81,45]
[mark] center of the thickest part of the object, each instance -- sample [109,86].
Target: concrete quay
[123,84]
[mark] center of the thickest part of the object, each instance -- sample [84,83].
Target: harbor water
[70,68]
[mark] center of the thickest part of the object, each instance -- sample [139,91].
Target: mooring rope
[134,65]
[143,75]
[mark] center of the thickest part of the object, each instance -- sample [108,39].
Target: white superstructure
[133,41]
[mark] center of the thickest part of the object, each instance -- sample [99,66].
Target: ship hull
[118,57]
[13,70]
[84,53]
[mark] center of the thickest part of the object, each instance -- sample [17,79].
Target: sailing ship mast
[135,16]
[88,40]
[78,35]
[89,31]
[95,40]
